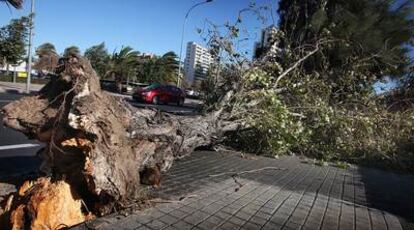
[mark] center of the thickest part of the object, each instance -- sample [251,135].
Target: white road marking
[5,101]
[7,147]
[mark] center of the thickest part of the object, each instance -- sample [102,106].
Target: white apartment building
[18,68]
[265,41]
[146,55]
[197,62]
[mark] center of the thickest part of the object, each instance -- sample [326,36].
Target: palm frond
[18,4]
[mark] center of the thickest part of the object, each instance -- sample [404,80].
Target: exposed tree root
[44,204]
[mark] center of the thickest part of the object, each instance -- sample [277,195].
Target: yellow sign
[22,74]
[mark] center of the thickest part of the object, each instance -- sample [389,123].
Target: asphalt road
[9,137]
[18,153]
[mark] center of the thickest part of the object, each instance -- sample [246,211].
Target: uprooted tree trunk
[99,149]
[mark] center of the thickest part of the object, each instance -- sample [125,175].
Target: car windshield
[153,86]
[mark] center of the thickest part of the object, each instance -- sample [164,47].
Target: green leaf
[318,20]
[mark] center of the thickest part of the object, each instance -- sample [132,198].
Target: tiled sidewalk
[300,196]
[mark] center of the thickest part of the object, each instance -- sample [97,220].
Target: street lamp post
[182,37]
[29,62]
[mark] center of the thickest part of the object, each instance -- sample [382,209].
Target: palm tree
[71,51]
[99,57]
[15,3]
[169,67]
[48,58]
[46,48]
[122,65]
[159,69]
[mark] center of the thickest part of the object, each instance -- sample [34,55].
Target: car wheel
[180,102]
[155,100]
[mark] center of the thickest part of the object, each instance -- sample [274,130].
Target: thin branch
[294,66]
[246,172]
[181,199]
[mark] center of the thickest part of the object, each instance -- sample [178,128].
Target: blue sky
[151,26]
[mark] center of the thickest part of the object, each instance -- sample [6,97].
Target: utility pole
[29,62]
[182,38]
[14,74]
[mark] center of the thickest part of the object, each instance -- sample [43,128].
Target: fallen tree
[101,152]
[97,145]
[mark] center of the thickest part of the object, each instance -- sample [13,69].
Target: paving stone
[166,208]
[178,213]
[168,219]
[228,210]
[250,226]
[234,207]
[222,202]
[129,222]
[292,225]
[170,228]
[143,219]
[237,221]
[182,225]
[214,219]
[258,220]
[272,226]
[197,228]
[264,215]
[143,227]
[228,226]
[196,217]
[251,209]
[222,215]
[278,219]
[243,215]
[122,226]
[311,226]
[156,224]
[207,225]
[195,205]
[154,213]
[212,208]
[187,209]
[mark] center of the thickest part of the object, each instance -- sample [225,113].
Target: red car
[160,94]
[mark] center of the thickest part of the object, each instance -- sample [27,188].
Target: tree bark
[99,145]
